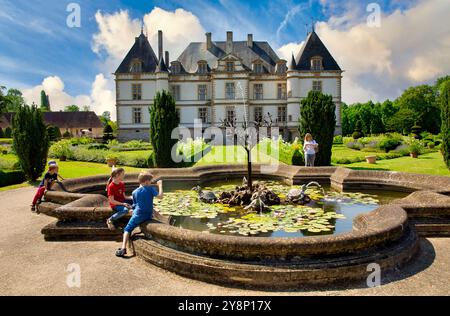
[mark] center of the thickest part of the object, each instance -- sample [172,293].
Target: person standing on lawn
[310,147]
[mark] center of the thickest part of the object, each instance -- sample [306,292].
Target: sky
[384,46]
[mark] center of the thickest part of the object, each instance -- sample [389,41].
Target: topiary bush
[30,141]
[390,142]
[318,117]
[163,120]
[445,118]
[11,177]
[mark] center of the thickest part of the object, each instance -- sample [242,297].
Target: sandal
[121,253]
[111,225]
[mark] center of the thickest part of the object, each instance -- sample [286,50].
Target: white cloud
[116,33]
[410,48]
[285,52]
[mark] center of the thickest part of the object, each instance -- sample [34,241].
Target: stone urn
[414,155]
[111,162]
[62,158]
[371,159]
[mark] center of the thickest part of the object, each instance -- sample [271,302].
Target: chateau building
[216,82]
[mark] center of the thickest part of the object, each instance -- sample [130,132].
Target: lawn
[342,153]
[233,155]
[431,163]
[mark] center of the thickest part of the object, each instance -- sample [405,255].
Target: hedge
[12,177]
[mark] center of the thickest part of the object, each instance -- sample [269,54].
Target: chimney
[167,59]
[250,40]
[160,44]
[229,47]
[208,41]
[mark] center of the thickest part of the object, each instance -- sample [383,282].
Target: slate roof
[144,52]
[315,47]
[198,51]
[81,120]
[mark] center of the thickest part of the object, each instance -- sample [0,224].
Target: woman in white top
[310,148]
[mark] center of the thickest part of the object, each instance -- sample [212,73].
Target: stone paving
[31,266]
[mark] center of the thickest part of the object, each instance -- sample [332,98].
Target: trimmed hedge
[11,177]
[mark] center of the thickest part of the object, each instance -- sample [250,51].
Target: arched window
[136,66]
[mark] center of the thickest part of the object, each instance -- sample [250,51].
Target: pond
[330,212]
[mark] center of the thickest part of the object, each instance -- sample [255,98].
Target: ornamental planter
[62,158]
[371,159]
[112,162]
[414,155]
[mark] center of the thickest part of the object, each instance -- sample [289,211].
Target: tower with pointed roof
[314,68]
[210,80]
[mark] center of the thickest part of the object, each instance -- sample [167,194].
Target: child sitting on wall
[45,185]
[119,202]
[143,207]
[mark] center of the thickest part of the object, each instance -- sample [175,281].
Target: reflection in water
[330,212]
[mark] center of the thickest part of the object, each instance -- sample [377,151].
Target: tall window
[203,115]
[231,115]
[317,86]
[136,91]
[316,64]
[258,114]
[258,68]
[136,66]
[258,91]
[281,114]
[229,91]
[178,113]
[202,68]
[176,68]
[137,115]
[281,91]
[176,92]
[230,66]
[202,92]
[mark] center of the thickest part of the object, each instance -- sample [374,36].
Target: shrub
[30,141]
[2,134]
[338,140]
[415,146]
[54,133]
[98,146]
[67,134]
[318,117]
[357,134]
[431,145]
[63,148]
[445,118]
[355,145]
[390,142]
[81,141]
[8,132]
[11,177]
[163,120]
[3,150]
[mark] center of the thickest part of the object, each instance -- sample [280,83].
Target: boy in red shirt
[119,202]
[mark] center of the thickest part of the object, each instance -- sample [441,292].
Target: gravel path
[31,266]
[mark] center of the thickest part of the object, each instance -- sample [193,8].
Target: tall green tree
[445,117]
[318,117]
[45,102]
[163,120]
[3,101]
[30,141]
[422,101]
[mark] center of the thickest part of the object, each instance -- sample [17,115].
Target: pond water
[330,212]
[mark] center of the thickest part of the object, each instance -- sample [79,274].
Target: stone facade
[216,81]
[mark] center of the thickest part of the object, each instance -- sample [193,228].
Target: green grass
[431,163]
[232,155]
[343,153]
[6,141]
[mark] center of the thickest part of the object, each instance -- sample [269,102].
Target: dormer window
[136,66]
[175,67]
[316,64]
[202,67]
[258,68]
[230,66]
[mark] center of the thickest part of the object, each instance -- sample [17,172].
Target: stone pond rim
[387,235]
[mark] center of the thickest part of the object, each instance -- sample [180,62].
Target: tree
[72,108]
[8,132]
[105,118]
[318,117]
[15,100]
[30,141]
[445,117]
[54,133]
[402,121]
[2,134]
[108,133]
[3,101]
[422,101]
[45,102]
[163,120]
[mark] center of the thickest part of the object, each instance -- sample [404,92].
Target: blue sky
[36,43]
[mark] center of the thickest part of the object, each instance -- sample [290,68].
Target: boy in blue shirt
[142,207]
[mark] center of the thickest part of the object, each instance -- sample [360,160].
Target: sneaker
[33,208]
[121,253]
[110,225]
